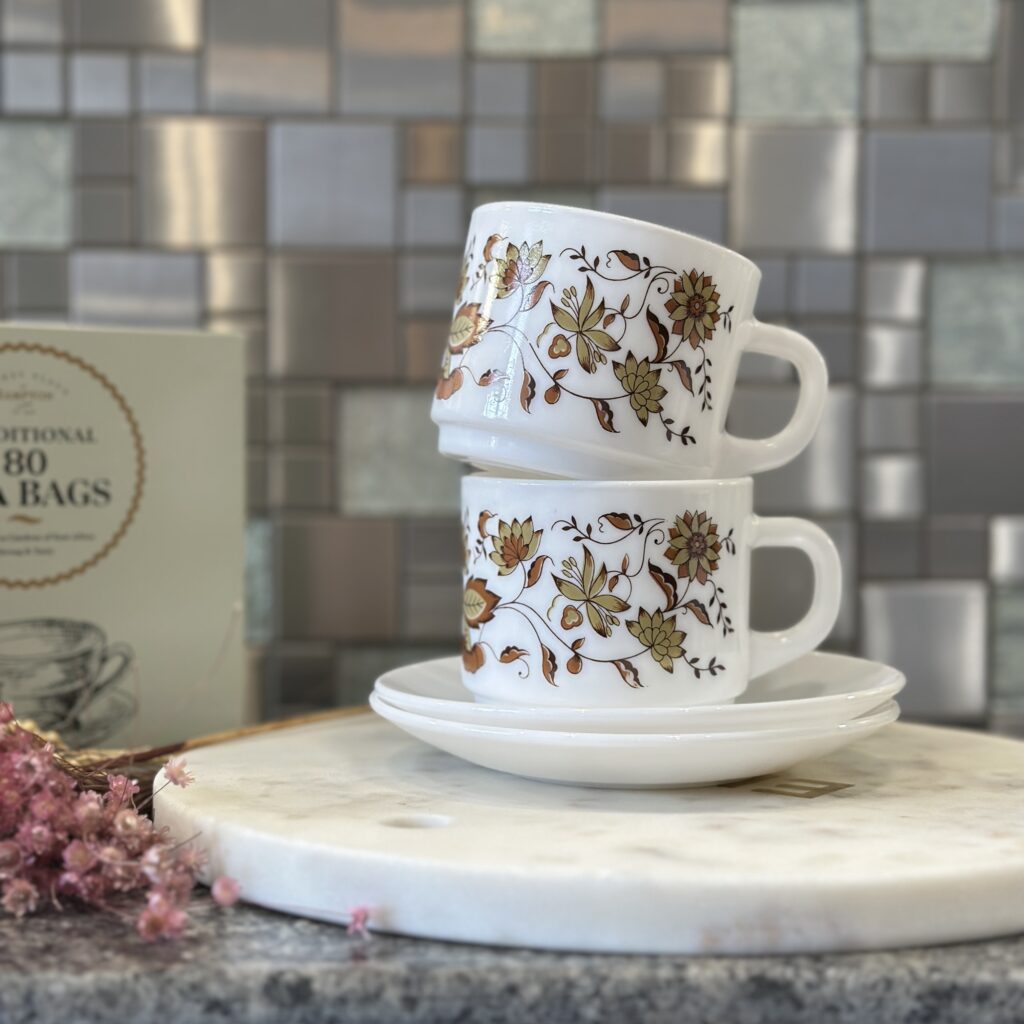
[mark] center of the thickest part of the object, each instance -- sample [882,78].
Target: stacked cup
[608,536]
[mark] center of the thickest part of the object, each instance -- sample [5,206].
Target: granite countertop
[255,966]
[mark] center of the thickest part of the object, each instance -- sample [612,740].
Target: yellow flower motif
[640,382]
[514,543]
[694,546]
[583,321]
[585,586]
[520,267]
[659,635]
[693,308]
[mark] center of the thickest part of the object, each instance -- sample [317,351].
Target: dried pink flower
[20,897]
[122,789]
[6,713]
[225,891]
[10,859]
[177,773]
[161,919]
[79,857]
[359,922]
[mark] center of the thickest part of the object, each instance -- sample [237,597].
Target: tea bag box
[122,532]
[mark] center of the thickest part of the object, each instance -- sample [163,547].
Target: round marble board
[913,836]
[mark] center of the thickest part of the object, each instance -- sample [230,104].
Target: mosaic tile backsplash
[302,172]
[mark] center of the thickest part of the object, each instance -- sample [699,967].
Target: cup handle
[742,456]
[122,654]
[770,650]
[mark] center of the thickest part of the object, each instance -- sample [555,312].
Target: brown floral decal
[659,636]
[693,308]
[520,267]
[478,602]
[585,587]
[581,320]
[640,382]
[468,327]
[514,543]
[694,546]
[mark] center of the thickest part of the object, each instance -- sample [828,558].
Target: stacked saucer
[607,542]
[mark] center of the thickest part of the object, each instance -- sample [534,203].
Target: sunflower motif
[585,587]
[693,308]
[694,546]
[521,266]
[659,636]
[514,543]
[640,382]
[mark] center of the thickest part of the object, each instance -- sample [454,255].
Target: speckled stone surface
[257,967]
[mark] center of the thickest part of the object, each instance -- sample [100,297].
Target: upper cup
[592,346]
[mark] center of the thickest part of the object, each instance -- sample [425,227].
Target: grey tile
[894,289]
[433,216]
[699,87]
[896,92]
[134,287]
[500,88]
[185,161]
[433,152]
[262,55]
[633,152]
[977,324]
[100,83]
[796,61]
[969,470]
[432,609]
[497,152]
[837,342]
[35,281]
[298,679]
[699,152]
[1008,646]
[166,24]
[35,165]
[332,184]
[333,317]
[794,188]
[427,281]
[772,296]
[1006,560]
[631,89]
[564,152]
[300,478]
[236,281]
[259,582]
[1008,223]
[301,414]
[890,550]
[825,285]
[699,213]
[958,547]
[892,487]
[566,88]
[256,413]
[890,422]
[33,83]
[890,356]
[927,190]
[388,463]
[946,675]
[1009,64]
[313,554]
[104,149]
[534,27]
[400,58]
[821,478]
[961,92]
[32,21]
[256,481]
[933,29]
[666,26]
[432,549]
[168,83]
[1008,158]
[423,341]
[359,667]
[104,215]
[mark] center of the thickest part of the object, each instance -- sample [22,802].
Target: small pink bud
[177,773]
[6,713]
[359,922]
[225,891]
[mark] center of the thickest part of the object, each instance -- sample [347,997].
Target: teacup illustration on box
[62,674]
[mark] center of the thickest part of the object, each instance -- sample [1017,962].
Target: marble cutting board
[914,836]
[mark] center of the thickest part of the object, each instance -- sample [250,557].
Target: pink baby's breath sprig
[359,922]
[177,773]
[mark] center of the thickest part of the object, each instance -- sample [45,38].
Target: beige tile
[300,414]
[163,24]
[566,88]
[564,152]
[666,26]
[423,342]
[633,152]
[537,28]
[632,88]
[104,214]
[300,478]
[699,87]
[698,152]
[236,282]
[256,481]
[433,151]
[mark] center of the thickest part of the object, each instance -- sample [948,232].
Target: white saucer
[638,760]
[816,690]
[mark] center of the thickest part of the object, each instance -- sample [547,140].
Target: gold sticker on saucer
[72,465]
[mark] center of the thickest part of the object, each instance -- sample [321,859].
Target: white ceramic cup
[590,346]
[624,593]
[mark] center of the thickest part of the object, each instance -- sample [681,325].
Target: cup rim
[599,486]
[635,222]
[90,631]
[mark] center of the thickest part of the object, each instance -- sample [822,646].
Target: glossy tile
[1008,647]
[300,414]
[958,547]
[961,92]
[332,185]
[1009,64]
[423,341]
[893,289]
[946,674]
[433,152]
[39,22]
[699,87]
[236,281]
[256,413]
[631,89]
[252,329]
[796,61]
[104,148]
[825,285]
[698,152]
[980,345]
[968,444]
[633,152]
[432,549]
[259,582]
[104,215]
[300,478]
[890,356]
[773,295]
[890,422]
[666,26]
[359,667]
[700,213]
[932,29]
[534,27]
[500,88]
[100,83]
[433,216]
[890,550]
[256,482]
[333,317]
[836,340]
[566,88]
[427,281]
[35,281]
[1006,549]
[166,24]
[432,609]
[35,165]
[298,679]
[168,83]
[927,190]
[388,463]
[564,152]
[1008,223]
[896,92]
[33,83]
[314,553]
[892,487]
[184,165]
[128,286]
[400,59]
[497,152]
[794,188]
[265,56]
[1008,156]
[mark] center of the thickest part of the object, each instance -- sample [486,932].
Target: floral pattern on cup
[587,327]
[639,585]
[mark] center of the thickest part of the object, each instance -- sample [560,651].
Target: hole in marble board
[419,821]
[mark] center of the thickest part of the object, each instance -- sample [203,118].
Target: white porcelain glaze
[573,352]
[815,690]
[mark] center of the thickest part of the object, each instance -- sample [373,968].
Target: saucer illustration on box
[63,675]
